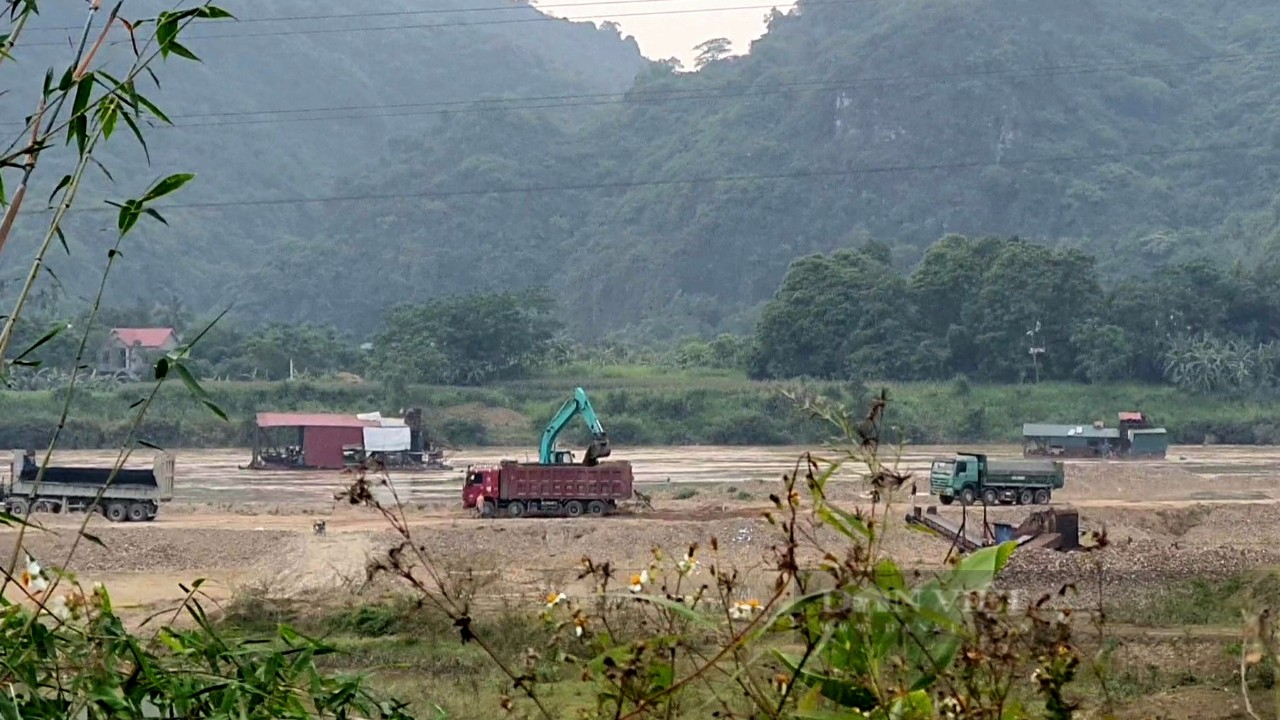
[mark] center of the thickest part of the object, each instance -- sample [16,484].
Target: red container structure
[515,489]
[287,441]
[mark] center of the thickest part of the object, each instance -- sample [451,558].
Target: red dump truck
[515,489]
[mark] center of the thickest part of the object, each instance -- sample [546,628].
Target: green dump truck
[971,477]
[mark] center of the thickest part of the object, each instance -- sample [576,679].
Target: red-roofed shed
[306,440]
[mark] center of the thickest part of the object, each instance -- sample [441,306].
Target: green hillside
[296,108]
[1067,122]
[1137,130]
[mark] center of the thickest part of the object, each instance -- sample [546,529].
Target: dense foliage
[467,340]
[677,208]
[979,306]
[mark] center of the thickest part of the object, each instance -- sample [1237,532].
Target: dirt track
[1214,507]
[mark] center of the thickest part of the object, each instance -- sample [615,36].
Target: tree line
[462,340]
[1006,310]
[991,309]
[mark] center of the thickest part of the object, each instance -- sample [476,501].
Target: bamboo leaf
[65,181]
[194,386]
[80,110]
[55,332]
[213,12]
[181,50]
[167,185]
[133,125]
[152,108]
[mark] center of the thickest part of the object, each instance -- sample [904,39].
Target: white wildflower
[639,581]
[32,578]
[742,610]
[555,599]
[688,565]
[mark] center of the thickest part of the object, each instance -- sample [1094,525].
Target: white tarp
[384,422]
[386,439]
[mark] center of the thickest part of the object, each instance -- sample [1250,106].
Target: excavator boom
[579,404]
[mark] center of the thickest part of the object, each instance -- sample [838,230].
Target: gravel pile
[149,549]
[1129,566]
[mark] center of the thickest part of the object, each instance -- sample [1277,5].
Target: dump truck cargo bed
[1033,468]
[604,481]
[96,477]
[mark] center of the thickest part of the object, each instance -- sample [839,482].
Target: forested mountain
[246,125]
[1140,131]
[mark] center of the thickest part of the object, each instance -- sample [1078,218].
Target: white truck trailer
[134,495]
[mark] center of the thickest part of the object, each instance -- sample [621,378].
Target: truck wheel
[989,497]
[515,509]
[1025,497]
[967,496]
[17,508]
[487,509]
[137,512]
[595,507]
[117,512]
[1042,497]
[45,506]
[573,508]
[946,499]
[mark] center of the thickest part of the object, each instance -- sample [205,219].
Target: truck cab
[482,482]
[949,477]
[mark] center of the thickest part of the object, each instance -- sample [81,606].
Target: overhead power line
[739,90]
[473,23]
[510,6]
[706,180]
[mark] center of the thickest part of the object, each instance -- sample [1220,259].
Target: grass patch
[640,405]
[1201,602]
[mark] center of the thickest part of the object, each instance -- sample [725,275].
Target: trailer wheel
[967,496]
[595,507]
[573,508]
[1042,497]
[515,509]
[989,497]
[1026,497]
[17,508]
[117,512]
[137,512]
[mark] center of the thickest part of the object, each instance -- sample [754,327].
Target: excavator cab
[563,457]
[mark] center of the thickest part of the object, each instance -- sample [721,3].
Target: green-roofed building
[1135,438]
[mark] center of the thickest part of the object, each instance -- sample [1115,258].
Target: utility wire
[644,96]
[474,23]
[415,13]
[713,179]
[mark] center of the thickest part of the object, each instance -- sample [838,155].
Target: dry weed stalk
[839,628]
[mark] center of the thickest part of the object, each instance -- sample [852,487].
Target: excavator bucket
[599,448]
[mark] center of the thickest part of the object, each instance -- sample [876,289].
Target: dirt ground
[1205,511]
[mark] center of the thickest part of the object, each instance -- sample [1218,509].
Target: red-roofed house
[129,350]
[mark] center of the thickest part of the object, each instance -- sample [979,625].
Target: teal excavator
[574,406]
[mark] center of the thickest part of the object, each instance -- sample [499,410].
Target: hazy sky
[670,28]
